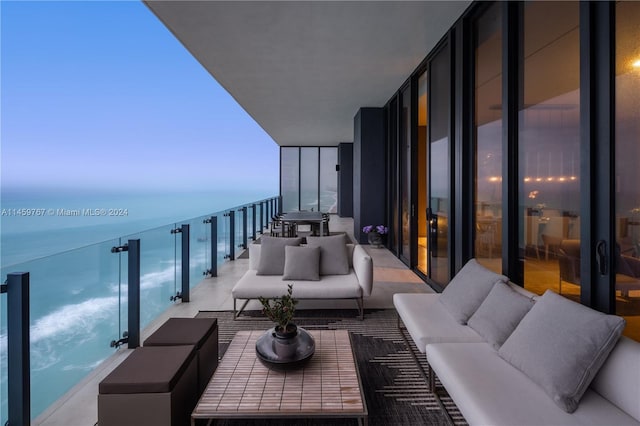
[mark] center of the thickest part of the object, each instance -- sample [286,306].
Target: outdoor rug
[395,390]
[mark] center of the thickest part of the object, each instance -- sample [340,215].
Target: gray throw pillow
[333,254]
[272,254]
[466,291]
[561,345]
[301,263]
[500,314]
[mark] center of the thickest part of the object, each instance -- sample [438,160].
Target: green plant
[280,309]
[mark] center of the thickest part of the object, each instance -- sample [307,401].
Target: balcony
[213,293]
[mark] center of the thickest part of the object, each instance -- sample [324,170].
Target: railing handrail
[132,234]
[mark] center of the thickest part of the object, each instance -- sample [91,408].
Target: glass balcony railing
[79,299]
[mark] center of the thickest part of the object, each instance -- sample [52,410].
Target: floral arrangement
[281,310]
[380,229]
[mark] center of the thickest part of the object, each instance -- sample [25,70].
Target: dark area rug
[395,391]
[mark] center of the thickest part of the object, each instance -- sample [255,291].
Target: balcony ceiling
[303,69]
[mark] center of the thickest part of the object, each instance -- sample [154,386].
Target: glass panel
[309,179]
[328,180]
[627,92]
[422,173]
[160,269]
[289,178]
[74,315]
[199,249]
[405,174]
[439,167]
[549,148]
[488,139]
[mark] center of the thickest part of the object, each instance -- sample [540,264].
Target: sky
[101,96]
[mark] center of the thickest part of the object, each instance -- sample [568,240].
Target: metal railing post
[18,360]
[185,263]
[232,235]
[134,294]
[244,227]
[183,294]
[253,222]
[261,217]
[280,204]
[213,271]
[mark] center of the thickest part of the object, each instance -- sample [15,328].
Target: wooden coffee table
[327,386]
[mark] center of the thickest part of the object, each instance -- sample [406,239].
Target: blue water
[78,288]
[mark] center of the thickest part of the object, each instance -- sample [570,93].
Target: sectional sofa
[507,356]
[324,268]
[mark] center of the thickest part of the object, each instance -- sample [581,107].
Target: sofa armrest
[363,267]
[254,256]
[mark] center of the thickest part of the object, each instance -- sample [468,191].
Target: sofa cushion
[428,321]
[499,314]
[251,285]
[614,382]
[272,254]
[490,391]
[150,369]
[333,254]
[561,345]
[301,263]
[466,291]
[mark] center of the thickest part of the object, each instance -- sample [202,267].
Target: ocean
[78,287]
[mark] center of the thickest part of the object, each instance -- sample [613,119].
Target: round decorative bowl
[285,353]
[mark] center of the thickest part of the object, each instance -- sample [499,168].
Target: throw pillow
[466,291]
[333,254]
[500,314]
[301,263]
[272,254]
[561,345]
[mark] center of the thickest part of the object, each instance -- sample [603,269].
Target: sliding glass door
[308,178]
[549,147]
[627,159]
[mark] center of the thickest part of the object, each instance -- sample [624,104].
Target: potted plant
[280,310]
[284,346]
[375,233]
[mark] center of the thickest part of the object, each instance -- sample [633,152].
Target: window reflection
[289,178]
[488,138]
[549,147]
[309,179]
[627,173]
[423,186]
[328,180]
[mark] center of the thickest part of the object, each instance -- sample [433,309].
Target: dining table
[304,218]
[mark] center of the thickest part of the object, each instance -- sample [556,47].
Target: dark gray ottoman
[201,332]
[153,386]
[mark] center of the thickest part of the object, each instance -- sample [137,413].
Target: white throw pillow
[333,254]
[468,289]
[272,254]
[301,263]
[561,345]
[500,314]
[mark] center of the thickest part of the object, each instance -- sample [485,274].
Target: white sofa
[355,285]
[489,390]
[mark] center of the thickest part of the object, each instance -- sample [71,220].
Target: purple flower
[380,229]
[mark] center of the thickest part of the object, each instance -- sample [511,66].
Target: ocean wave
[83,367]
[73,317]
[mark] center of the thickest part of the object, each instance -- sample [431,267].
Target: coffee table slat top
[328,385]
